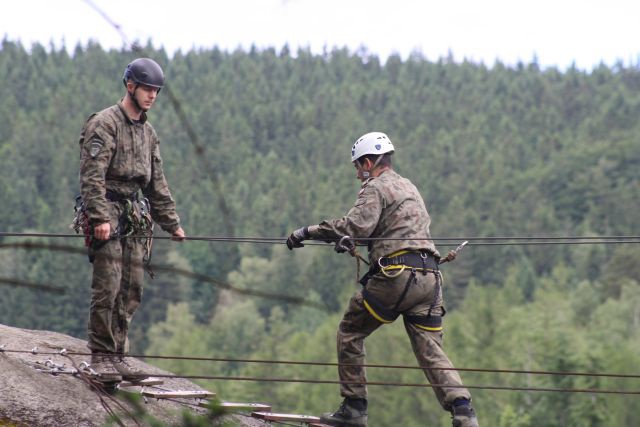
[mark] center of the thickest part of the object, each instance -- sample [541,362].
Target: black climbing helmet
[144,71]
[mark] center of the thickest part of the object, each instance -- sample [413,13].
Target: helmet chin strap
[132,95]
[366,174]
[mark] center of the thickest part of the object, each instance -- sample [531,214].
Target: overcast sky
[557,32]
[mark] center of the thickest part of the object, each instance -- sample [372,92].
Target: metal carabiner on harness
[383,269]
[125,225]
[424,256]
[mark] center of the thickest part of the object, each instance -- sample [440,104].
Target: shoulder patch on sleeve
[99,134]
[95,147]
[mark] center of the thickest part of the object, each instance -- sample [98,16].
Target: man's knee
[103,298]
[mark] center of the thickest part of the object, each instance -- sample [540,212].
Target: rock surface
[29,397]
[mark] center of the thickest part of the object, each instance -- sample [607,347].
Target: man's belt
[113,196]
[420,260]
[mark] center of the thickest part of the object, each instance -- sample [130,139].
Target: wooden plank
[270,416]
[236,406]
[144,383]
[200,394]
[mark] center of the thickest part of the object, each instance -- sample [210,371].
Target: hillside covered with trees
[495,151]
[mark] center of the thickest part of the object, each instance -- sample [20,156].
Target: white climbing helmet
[371,143]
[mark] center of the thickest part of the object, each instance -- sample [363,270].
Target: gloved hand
[454,253]
[450,257]
[296,238]
[345,244]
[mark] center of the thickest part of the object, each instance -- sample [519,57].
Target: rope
[24,284]
[400,384]
[334,364]
[102,395]
[182,272]
[282,239]
[446,241]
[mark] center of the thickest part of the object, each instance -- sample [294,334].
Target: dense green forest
[495,150]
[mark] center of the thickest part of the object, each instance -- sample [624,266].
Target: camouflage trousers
[357,323]
[116,291]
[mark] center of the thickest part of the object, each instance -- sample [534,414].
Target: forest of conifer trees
[495,150]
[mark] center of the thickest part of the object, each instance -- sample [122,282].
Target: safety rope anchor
[51,364]
[87,367]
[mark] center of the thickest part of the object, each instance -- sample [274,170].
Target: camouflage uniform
[119,156]
[390,206]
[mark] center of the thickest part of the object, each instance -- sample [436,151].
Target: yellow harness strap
[400,267]
[428,323]
[374,314]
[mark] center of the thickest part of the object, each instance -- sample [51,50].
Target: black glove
[345,244]
[296,238]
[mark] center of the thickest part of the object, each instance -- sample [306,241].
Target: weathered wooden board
[178,394]
[239,406]
[271,416]
[144,383]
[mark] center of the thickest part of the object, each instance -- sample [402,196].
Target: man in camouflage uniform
[119,159]
[404,280]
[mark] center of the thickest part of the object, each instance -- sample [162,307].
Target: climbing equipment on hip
[81,220]
[416,261]
[139,220]
[135,220]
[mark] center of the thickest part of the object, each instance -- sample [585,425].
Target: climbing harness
[392,266]
[135,220]
[418,261]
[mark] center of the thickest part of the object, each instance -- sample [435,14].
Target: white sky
[557,32]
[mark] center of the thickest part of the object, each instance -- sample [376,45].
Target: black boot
[352,412]
[464,415]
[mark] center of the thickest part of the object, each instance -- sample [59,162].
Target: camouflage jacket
[123,156]
[388,206]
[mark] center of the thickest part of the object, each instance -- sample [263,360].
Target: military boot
[464,416]
[101,363]
[352,412]
[128,372]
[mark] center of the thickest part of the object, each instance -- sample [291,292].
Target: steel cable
[473,240]
[291,299]
[334,364]
[400,384]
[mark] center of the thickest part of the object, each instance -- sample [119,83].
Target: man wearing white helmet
[391,218]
